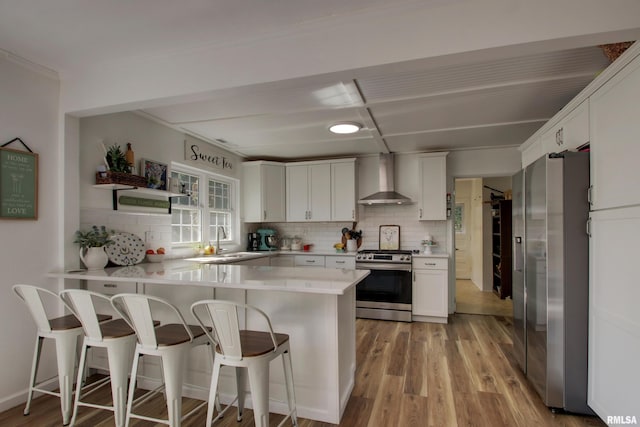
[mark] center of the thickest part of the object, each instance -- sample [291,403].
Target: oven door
[386,293]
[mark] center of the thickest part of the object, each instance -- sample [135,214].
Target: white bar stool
[64,331]
[171,342]
[250,351]
[116,336]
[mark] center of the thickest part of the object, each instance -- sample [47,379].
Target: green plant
[117,159]
[94,238]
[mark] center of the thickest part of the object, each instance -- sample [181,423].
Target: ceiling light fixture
[345,127]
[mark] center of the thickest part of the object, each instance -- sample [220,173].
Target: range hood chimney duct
[387,194]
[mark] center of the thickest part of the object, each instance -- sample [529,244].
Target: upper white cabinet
[615,145]
[321,191]
[569,133]
[263,189]
[309,192]
[343,190]
[433,180]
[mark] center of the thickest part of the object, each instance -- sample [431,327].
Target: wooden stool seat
[71,322]
[174,333]
[119,328]
[257,343]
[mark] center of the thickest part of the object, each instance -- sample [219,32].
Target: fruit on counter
[160,251]
[150,252]
[338,246]
[209,250]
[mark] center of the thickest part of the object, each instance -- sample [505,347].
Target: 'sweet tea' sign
[203,154]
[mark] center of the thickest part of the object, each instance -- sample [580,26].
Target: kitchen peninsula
[315,306]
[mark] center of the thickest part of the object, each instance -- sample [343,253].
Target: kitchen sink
[224,258]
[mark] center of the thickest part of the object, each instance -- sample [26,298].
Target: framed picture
[156,174]
[390,237]
[18,184]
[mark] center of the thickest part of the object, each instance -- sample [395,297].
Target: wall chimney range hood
[387,194]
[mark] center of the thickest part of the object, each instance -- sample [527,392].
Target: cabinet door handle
[420,213]
[430,263]
[110,285]
[590,195]
[309,214]
[264,214]
[560,137]
[311,261]
[339,262]
[353,214]
[589,227]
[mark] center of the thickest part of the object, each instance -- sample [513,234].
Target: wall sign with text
[18,184]
[203,154]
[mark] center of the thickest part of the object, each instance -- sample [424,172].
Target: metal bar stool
[171,342]
[116,336]
[64,331]
[249,352]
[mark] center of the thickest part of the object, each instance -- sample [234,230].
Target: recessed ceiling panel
[534,101]
[312,151]
[587,61]
[275,98]
[295,129]
[493,136]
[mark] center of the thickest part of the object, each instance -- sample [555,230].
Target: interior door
[463,238]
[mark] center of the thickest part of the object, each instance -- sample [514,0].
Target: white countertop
[181,272]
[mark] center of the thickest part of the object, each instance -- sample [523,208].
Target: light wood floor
[471,300]
[408,374]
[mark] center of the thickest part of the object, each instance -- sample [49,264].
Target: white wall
[149,140]
[29,110]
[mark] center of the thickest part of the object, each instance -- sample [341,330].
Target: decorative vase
[95,258]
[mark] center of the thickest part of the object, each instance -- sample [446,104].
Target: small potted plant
[117,160]
[92,244]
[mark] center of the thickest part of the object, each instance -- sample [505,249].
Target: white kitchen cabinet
[615,150]
[346,262]
[614,318]
[430,289]
[309,261]
[343,190]
[263,189]
[433,182]
[570,132]
[308,192]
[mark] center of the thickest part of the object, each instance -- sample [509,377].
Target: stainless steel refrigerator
[551,278]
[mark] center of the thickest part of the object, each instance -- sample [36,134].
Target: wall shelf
[115,188]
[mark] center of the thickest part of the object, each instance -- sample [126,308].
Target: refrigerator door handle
[518,255]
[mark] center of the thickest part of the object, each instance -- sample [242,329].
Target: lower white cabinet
[346,262]
[309,261]
[328,261]
[430,289]
[614,318]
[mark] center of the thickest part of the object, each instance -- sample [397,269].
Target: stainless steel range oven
[386,293]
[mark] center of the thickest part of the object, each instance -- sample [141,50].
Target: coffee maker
[253,242]
[267,239]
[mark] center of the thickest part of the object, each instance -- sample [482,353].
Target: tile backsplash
[155,229]
[325,234]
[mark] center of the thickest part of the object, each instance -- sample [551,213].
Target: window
[194,222]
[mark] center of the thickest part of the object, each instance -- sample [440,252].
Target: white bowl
[155,257]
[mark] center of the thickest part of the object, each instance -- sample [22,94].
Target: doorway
[472,214]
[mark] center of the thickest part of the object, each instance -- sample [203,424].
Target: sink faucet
[224,236]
